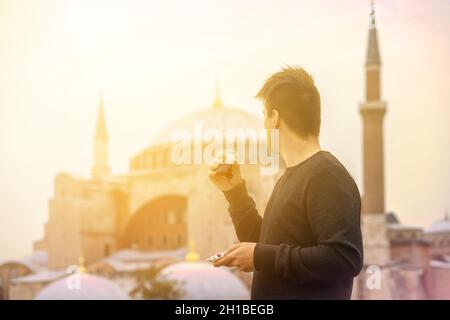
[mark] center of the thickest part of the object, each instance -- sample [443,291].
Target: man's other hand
[239,255]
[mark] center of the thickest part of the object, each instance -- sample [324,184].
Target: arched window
[148,161]
[154,159]
[13,272]
[165,157]
[171,217]
[182,218]
[154,219]
[107,250]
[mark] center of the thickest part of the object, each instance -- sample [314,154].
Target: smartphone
[225,168]
[216,257]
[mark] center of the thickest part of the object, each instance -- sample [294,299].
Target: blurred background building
[170,217]
[141,217]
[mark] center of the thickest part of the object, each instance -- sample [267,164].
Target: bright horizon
[156,61]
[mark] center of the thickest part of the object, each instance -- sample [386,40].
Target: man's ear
[275,119]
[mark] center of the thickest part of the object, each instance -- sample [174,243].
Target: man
[308,245]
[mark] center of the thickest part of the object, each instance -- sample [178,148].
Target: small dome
[220,118]
[90,288]
[35,262]
[441,226]
[203,281]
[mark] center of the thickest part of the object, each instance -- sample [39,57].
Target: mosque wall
[440,283]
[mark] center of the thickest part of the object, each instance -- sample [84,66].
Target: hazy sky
[156,60]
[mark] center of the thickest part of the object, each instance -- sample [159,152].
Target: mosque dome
[203,281]
[91,288]
[218,116]
[440,226]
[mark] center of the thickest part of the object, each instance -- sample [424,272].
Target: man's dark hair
[293,94]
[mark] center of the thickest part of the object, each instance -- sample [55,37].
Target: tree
[151,284]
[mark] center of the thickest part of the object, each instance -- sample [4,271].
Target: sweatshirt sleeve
[333,208]
[245,217]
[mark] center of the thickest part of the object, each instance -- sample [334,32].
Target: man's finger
[228,257]
[225,261]
[232,248]
[214,166]
[212,173]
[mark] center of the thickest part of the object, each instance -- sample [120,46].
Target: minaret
[373,218]
[372,111]
[100,168]
[217,103]
[376,243]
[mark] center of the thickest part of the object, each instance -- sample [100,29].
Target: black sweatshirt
[309,241]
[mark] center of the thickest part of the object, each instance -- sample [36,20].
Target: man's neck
[295,150]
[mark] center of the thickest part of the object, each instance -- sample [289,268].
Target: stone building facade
[157,205]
